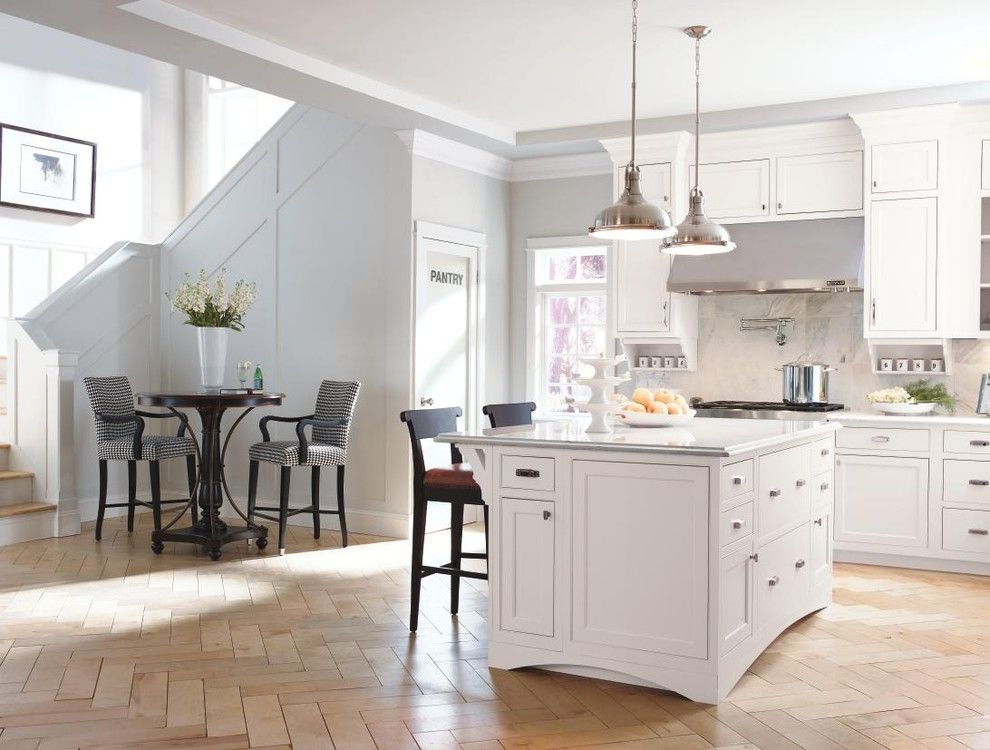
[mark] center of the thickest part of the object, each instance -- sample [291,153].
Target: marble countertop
[967,420]
[705,436]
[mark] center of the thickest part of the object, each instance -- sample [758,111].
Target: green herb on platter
[926,392]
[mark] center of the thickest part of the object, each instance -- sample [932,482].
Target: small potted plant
[917,397]
[208,308]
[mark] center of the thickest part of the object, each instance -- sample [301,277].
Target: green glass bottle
[259,378]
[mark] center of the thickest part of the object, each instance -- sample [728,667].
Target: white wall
[317,214]
[129,105]
[563,207]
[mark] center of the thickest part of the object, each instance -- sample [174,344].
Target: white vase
[212,356]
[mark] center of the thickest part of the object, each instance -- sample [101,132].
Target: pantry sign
[451,278]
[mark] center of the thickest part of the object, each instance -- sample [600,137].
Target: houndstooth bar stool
[331,423]
[120,437]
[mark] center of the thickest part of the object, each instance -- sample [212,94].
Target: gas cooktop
[762,409]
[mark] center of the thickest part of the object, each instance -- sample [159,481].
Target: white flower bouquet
[208,306]
[890,396]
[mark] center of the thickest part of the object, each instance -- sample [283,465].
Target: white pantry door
[447,347]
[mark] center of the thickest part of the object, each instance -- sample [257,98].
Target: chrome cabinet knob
[737,480]
[799,564]
[818,522]
[801,483]
[979,443]
[546,515]
[738,523]
[979,482]
[425,401]
[773,580]
[825,451]
[880,439]
[755,557]
[978,532]
[774,493]
[824,486]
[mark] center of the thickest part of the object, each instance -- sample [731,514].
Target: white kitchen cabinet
[816,183]
[735,189]
[881,500]
[642,302]
[636,524]
[736,600]
[902,290]
[654,182]
[903,167]
[526,572]
[821,547]
[782,576]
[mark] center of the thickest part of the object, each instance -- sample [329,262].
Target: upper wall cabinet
[902,279]
[816,183]
[735,189]
[900,167]
[654,181]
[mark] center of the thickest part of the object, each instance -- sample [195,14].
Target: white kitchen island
[669,557]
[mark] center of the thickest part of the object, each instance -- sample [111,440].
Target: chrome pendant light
[697,234]
[631,217]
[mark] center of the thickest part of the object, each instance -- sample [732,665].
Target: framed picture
[47,172]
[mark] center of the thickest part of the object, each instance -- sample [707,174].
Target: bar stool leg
[456,540]
[315,492]
[252,490]
[101,509]
[191,476]
[418,541]
[485,506]
[156,493]
[131,493]
[340,505]
[283,507]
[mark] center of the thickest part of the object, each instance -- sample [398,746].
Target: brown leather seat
[452,482]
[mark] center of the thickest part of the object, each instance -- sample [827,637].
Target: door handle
[425,401]
[528,473]
[665,303]
[978,532]
[873,311]
[979,482]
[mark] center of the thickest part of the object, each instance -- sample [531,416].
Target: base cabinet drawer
[782,575]
[966,481]
[966,441]
[823,491]
[737,479]
[822,456]
[784,497]
[526,569]
[966,530]
[528,473]
[881,500]
[883,439]
[736,523]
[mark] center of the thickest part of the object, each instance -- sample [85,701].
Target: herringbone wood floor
[106,645]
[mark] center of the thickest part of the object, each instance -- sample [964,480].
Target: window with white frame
[569,304]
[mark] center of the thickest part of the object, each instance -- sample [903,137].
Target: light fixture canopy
[631,217]
[697,234]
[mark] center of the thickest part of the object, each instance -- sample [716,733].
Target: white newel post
[59,481]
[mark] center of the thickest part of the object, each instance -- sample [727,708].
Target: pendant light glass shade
[631,217]
[697,234]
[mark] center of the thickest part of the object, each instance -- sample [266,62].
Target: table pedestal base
[212,543]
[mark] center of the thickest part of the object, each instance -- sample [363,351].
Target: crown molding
[908,122]
[565,165]
[444,150]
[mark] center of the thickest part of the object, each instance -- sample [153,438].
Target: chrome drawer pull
[773,580]
[738,524]
[880,439]
[755,557]
[800,483]
[818,522]
[825,451]
[824,486]
[979,482]
[528,473]
[546,515]
[978,532]
[774,493]
[979,443]
[799,564]
[738,480]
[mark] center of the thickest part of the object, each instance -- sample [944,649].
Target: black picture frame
[77,142]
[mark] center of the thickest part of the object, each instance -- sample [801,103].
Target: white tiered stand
[600,405]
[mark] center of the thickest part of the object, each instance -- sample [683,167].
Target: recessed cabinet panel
[526,572]
[636,524]
[899,167]
[903,253]
[643,304]
[735,189]
[782,576]
[654,181]
[881,500]
[735,610]
[784,497]
[819,183]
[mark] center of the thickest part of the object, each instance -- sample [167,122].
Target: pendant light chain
[635,29]
[697,110]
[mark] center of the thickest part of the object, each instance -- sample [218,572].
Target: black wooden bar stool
[453,484]
[509,415]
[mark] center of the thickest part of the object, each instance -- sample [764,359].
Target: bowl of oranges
[661,407]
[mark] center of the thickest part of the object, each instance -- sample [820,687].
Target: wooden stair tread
[20,509]
[9,475]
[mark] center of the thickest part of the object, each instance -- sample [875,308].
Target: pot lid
[805,360]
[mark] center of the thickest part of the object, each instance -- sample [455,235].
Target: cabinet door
[820,182]
[654,181]
[735,189]
[903,253]
[639,546]
[735,600]
[821,547]
[526,568]
[782,577]
[905,166]
[881,500]
[642,301]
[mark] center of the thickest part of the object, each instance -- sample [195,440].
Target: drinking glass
[243,372]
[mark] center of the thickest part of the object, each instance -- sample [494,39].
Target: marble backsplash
[736,364]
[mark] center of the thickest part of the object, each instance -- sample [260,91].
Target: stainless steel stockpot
[805,382]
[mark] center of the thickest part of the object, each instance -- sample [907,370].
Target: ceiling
[524,65]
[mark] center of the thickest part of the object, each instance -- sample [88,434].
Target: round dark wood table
[211,485]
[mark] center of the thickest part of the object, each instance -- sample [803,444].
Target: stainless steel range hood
[817,255]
